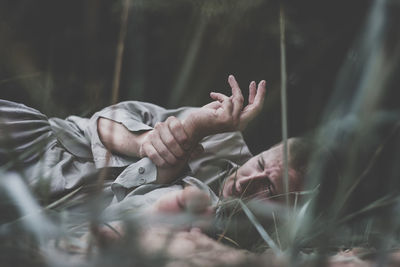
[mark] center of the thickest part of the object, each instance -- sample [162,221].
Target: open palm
[229,113]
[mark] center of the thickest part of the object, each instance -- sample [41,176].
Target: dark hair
[300,149]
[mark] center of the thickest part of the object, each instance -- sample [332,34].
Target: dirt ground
[184,249]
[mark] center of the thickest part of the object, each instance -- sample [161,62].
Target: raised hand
[227,113]
[255,104]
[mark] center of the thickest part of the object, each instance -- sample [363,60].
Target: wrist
[139,141]
[193,128]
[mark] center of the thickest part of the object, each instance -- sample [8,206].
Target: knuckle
[158,126]
[182,139]
[149,152]
[164,153]
[175,125]
[168,120]
[152,156]
[170,141]
[171,118]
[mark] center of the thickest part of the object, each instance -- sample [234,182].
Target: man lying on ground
[153,150]
[171,146]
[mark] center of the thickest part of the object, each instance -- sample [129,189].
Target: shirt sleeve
[135,116]
[137,174]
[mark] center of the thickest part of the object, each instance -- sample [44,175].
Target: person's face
[261,177]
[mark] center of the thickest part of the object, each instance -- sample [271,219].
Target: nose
[250,184]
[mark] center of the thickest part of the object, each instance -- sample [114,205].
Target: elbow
[106,131]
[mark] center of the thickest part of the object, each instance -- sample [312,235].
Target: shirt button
[142,181]
[141,170]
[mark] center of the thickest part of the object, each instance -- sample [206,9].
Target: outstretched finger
[213,105]
[260,95]
[236,92]
[254,108]
[226,105]
[252,92]
[237,97]
[219,97]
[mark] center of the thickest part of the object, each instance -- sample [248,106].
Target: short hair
[300,150]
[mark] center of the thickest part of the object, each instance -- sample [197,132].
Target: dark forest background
[59,56]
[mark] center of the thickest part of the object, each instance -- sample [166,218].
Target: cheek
[243,171]
[277,177]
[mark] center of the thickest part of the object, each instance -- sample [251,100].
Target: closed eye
[260,162]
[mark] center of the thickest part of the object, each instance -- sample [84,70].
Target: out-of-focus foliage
[343,61]
[59,56]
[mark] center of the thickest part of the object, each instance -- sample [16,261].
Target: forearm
[118,139]
[202,122]
[196,127]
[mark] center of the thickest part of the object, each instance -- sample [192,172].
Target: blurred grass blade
[63,199]
[379,203]
[284,121]
[260,229]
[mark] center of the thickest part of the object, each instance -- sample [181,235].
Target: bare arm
[117,138]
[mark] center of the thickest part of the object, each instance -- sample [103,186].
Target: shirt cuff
[142,172]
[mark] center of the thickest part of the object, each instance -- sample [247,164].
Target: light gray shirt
[135,184]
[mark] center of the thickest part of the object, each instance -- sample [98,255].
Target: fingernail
[231,76]
[262,82]
[253,83]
